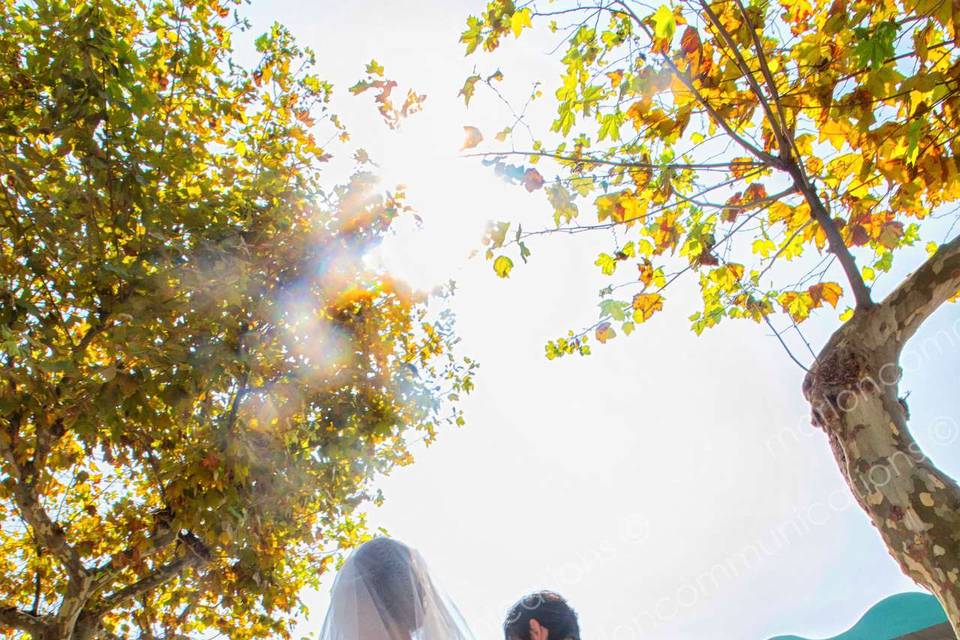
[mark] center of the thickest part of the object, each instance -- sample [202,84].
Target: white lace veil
[385,592]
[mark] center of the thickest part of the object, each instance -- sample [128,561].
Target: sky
[669,485]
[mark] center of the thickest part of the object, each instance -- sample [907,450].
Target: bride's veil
[385,592]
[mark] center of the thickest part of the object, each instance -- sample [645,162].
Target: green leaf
[615,309]
[610,125]
[875,46]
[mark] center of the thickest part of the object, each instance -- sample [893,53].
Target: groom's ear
[538,631]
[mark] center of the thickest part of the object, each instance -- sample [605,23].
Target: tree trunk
[853,393]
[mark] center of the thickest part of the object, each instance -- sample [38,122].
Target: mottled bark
[853,392]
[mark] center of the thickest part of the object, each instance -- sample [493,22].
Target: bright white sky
[669,486]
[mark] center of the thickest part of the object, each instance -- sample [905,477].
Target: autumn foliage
[781,155]
[200,376]
[825,125]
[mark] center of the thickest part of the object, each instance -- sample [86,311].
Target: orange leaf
[605,332]
[645,305]
[828,292]
[474,137]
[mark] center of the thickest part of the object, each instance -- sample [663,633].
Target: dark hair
[386,566]
[550,610]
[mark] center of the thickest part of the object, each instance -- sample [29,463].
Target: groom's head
[541,616]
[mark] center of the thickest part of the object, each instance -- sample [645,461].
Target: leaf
[532,180]
[828,292]
[764,247]
[497,234]
[616,77]
[836,132]
[615,309]
[564,209]
[690,41]
[797,304]
[502,266]
[520,20]
[473,137]
[610,125]
[607,264]
[605,332]
[645,305]
[890,234]
[473,35]
[468,88]
[875,46]
[374,68]
[664,23]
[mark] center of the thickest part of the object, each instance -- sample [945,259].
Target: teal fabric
[891,618]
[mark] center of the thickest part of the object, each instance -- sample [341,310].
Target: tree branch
[784,344]
[18,619]
[923,291]
[756,152]
[748,74]
[768,77]
[161,540]
[196,554]
[838,247]
[724,166]
[47,532]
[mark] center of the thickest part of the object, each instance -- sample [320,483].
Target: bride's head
[385,592]
[388,571]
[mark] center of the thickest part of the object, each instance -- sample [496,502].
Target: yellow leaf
[835,132]
[664,23]
[502,266]
[519,20]
[764,246]
[796,303]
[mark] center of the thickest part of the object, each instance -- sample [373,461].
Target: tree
[765,149]
[200,376]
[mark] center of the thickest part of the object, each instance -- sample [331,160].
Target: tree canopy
[200,374]
[728,138]
[782,154]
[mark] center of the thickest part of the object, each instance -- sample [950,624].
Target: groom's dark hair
[550,610]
